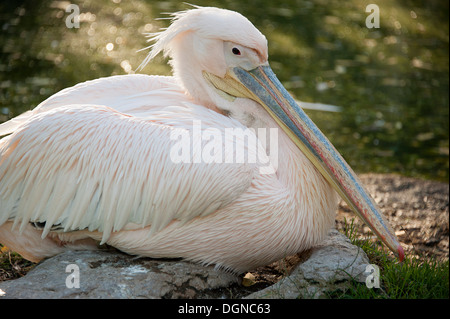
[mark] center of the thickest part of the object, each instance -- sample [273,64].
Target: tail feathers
[29,244]
[11,125]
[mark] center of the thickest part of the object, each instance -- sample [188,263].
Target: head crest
[207,22]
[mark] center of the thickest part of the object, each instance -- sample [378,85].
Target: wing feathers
[91,167]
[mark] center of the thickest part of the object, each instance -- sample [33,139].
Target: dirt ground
[418,211]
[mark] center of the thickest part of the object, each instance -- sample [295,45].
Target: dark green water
[392,83]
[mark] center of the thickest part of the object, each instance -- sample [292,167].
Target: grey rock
[115,275]
[331,264]
[424,204]
[106,274]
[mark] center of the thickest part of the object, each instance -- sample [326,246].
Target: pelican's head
[221,59]
[208,41]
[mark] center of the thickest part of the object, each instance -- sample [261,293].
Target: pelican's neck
[187,71]
[292,166]
[312,200]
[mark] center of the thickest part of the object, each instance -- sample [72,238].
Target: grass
[414,278]
[12,265]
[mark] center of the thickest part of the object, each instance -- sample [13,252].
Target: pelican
[97,163]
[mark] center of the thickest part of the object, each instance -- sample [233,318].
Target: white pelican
[93,163]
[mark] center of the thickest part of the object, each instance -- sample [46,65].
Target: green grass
[414,278]
[12,265]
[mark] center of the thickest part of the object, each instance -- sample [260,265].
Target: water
[391,83]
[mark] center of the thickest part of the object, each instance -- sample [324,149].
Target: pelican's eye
[236,51]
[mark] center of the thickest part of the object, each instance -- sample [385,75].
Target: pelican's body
[95,163]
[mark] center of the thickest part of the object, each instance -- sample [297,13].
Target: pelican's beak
[262,85]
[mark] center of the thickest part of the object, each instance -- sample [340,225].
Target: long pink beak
[267,90]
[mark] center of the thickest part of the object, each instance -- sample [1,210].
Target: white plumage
[89,166]
[93,163]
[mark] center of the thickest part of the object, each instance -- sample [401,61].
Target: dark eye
[236,51]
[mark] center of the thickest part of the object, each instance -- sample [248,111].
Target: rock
[115,275]
[331,265]
[105,274]
[417,209]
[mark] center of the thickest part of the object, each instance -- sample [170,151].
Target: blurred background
[391,83]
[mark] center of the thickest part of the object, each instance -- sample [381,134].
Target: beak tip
[401,253]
